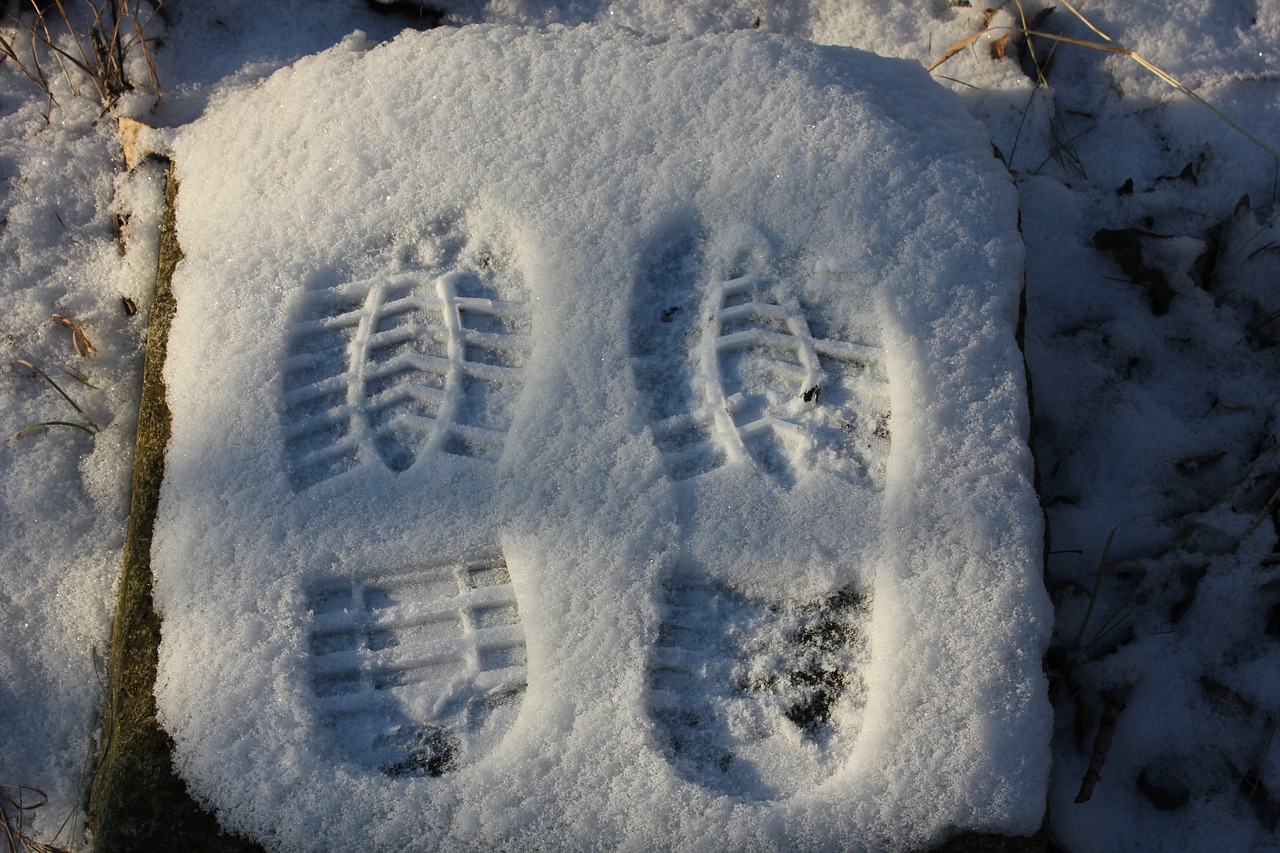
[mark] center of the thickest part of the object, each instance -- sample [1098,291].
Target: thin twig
[1111,709]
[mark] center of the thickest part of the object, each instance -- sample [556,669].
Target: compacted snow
[564,453]
[529,434]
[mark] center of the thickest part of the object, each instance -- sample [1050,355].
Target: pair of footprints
[421,671]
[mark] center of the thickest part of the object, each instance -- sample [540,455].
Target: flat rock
[582,441]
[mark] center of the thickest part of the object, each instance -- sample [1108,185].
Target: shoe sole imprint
[753,699]
[403,365]
[746,375]
[421,671]
[752,368]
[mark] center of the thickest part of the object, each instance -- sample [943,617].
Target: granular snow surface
[1149,232]
[565,456]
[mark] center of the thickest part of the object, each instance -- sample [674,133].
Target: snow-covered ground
[647,463]
[1151,269]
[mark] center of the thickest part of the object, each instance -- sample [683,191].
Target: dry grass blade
[1267,510]
[85,64]
[13,805]
[97,48]
[36,41]
[37,76]
[1097,586]
[961,44]
[79,340]
[1040,67]
[1085,20]
[121,44]
[20,433]
[146,52]
[1109,45]
[1267,321]
[88,426]
[80,377]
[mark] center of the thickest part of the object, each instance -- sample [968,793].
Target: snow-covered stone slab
[584,442]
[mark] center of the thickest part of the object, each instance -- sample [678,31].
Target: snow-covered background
[1151,345]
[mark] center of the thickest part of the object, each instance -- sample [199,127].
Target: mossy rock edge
[136,801]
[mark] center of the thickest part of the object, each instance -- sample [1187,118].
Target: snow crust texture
[566,456]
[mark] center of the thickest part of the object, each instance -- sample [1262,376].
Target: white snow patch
[515,372]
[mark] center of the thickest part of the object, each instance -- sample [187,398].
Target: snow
[1154,432]
[512,322]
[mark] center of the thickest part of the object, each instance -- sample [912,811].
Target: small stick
[1101,746]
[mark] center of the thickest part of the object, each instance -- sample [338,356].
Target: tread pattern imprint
[751,369]
[756,699]
[746,366]
[419,671]
[421,360]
